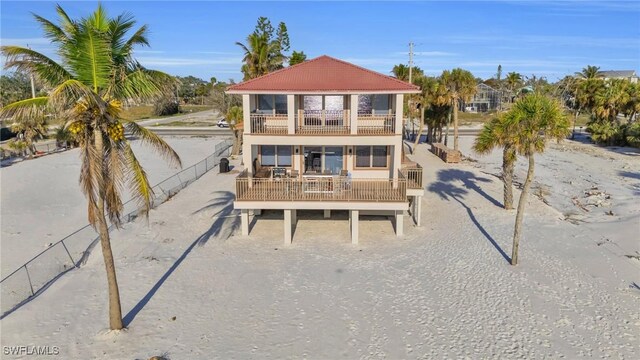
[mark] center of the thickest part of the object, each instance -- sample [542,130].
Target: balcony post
[246,113]
[353,107]
[291,114]
[399,114]
[399,223]
[244,219]
[354,217]
[288,227]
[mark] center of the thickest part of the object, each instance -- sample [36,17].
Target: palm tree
[532,122]
[461,86]
[29,130]
[401,72]
[632,107]
[513,80]
[589,72]
[260,56]
[95,74]
[235,118]
[494,134]
[432,100]
[610,99]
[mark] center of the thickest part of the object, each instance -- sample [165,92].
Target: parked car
[223,123]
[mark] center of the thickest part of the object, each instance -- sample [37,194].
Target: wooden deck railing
[413,175]
[336,188]
[322,122]
[268,123]
[374,124]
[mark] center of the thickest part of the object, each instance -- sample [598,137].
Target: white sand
[42,202]
[444,290]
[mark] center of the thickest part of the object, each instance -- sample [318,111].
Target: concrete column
[354,217]
[287,227]
[246,113]
[397,162]
[399,223]
[327,213]
[353,108]
[247,156]
[294,217]
[399,114]
[291,114]
[244,218]
[418,209]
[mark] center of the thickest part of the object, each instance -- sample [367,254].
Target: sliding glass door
[323,159]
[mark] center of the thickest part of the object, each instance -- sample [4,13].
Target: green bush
[608,133]
[166,106]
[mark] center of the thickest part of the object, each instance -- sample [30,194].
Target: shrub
[632,134]
[603,132]
[166,106]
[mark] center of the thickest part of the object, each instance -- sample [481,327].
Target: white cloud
[162,61]
[25,41]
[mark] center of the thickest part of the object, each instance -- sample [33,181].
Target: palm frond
[137,179]
[148,137]
[45,69]
[70,92]
[51,31]
[114,176]
[91,59]
[26,109]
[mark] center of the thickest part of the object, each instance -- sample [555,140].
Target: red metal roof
[323,74]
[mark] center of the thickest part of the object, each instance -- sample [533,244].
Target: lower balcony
[320,188]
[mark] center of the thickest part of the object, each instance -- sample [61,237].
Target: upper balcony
[374,114]
[324,122]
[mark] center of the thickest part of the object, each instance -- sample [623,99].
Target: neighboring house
[619,74]
[325,135]
[485,99]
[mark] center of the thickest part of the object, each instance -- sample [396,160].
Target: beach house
[326,135]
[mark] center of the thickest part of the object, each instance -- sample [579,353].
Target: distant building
[485,99]
[620,74]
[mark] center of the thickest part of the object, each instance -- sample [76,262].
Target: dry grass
[143,112]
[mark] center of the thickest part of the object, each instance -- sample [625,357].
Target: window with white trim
[372,156]
[275,155]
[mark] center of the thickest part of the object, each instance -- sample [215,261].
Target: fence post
[68,253]
[29,277]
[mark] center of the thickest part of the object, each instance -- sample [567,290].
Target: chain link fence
[42,270]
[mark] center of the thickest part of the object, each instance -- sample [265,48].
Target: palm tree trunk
[455,124]
[446,133]
[575,120]
[508,167]
[420,129]
[115,310]
[521,204]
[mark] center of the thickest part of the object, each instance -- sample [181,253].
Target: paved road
[190,131]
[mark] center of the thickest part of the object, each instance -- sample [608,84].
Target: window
[371,156]
[266,104]
[281,104]
[272,155]
[284,155]
[379,156]
[268,155]
[374,103]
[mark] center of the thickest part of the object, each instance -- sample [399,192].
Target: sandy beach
[192,287]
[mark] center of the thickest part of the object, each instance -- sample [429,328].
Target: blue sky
[546,38]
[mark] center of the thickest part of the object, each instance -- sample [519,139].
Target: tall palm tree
[401,72]
[432,99]
[513,81]
[261,56]
[589,72]
[533,121]
[461,86]
[610,99]
[96,72]
[498,133]
[235,119]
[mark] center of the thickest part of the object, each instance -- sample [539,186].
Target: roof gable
[321,75]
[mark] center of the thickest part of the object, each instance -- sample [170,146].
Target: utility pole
[33,88]
[410,60]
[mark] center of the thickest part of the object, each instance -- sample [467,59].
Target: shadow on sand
[224,221]
[446,189]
